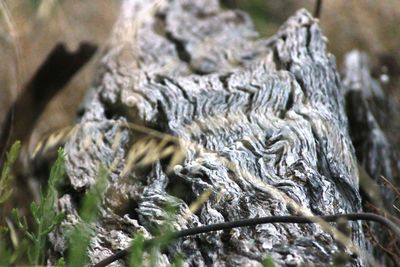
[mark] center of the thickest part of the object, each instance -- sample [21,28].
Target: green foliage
[60,262]
[137,251]
[7,255]
[164,236]
[268,262]
[10,254]
[35,3]
[178,261]
[80,235]
[79,242]
[45,218]
[139,248]
[159,243]
[7,258]
[6,175]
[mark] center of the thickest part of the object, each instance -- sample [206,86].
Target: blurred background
[29,29]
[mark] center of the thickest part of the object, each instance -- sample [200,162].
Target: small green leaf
[30,236]
[17,218]
[5,196]
[136,256]
[268,262]
[60,262]
[6,255]
[35,212]
[6,175]
[178,260]
[3,230]
[45,218]
[79,241]
[80,236]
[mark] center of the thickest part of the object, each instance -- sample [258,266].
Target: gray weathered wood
[274,108]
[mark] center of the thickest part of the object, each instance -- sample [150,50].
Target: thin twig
[384,248]
[318,8]
[394,188]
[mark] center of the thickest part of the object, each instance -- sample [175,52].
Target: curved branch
[262,220]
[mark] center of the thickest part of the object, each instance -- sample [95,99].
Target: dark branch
[255,221]
[318,8]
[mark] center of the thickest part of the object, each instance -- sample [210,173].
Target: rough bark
[273,108]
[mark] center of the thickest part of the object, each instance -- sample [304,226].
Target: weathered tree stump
[273,108]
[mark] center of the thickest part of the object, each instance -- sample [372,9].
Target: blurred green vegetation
[267,15]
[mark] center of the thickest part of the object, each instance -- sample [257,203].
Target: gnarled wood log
[269,114]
